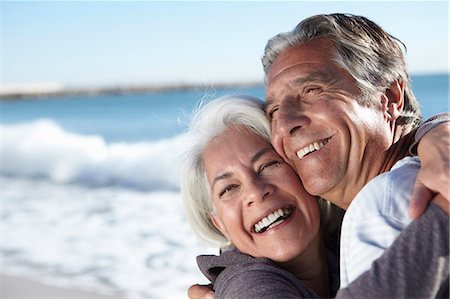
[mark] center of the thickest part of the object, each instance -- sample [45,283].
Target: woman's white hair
[209,121]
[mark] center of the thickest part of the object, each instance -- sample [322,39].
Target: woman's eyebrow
[222,176]
[255,158]
[261,153]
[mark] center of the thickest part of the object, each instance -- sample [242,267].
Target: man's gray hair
[371,55]
[208,122]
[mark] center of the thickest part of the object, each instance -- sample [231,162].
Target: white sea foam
[136,243]
[79,212]
[43,149]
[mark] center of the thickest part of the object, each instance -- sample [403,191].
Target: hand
[434,174]
[442,202]
[198,291]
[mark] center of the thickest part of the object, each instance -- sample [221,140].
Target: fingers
[436,179]
[442,202]
[442,185]
[421,196]
[200,292]
[434,156]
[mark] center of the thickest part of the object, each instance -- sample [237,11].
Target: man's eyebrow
[313,77]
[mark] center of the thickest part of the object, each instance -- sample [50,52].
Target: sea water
[90,189]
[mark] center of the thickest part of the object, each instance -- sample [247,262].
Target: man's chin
[315,185]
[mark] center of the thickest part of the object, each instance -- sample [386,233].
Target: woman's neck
[311,268]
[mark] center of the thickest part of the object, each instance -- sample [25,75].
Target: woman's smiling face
[260,203]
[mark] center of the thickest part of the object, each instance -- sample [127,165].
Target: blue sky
[81,44]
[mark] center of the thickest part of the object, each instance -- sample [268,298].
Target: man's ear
[219,224]
[393,100]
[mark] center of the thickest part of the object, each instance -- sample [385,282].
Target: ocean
[90,188]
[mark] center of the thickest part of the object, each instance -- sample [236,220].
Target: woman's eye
[269,165]
[227,189]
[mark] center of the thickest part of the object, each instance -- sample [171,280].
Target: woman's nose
[257,191]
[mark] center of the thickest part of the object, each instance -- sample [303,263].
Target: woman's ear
[219,224]
[393,100]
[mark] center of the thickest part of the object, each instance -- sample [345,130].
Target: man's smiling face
[318,125]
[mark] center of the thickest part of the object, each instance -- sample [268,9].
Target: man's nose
[257,190]
[291,118]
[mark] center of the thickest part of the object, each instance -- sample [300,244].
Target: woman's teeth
[273,219]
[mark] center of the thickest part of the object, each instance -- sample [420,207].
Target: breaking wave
[42,149]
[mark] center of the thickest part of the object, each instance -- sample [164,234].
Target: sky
[89,44]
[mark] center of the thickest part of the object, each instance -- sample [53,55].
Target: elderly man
[345,85]
[341,108]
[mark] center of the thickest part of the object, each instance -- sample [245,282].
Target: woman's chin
[284,255]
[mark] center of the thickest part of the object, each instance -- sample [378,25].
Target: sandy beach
[16,287]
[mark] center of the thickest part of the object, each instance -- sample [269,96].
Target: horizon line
[54,90]
[42,90]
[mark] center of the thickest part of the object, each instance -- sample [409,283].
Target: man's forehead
[314,51]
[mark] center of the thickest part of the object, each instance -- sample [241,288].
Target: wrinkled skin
[321,126]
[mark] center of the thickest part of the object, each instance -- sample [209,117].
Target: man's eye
[269,165]
[272,113]
[312,89]
[227,189]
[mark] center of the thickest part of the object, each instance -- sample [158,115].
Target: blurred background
[95,98]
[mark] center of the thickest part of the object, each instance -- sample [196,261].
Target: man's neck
[371,166]
[397,151]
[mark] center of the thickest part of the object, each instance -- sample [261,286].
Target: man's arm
[433,147]
[415,266]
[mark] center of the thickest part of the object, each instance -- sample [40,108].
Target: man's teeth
[273,219]
[311,148]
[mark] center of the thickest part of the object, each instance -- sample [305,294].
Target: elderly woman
[238,191]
